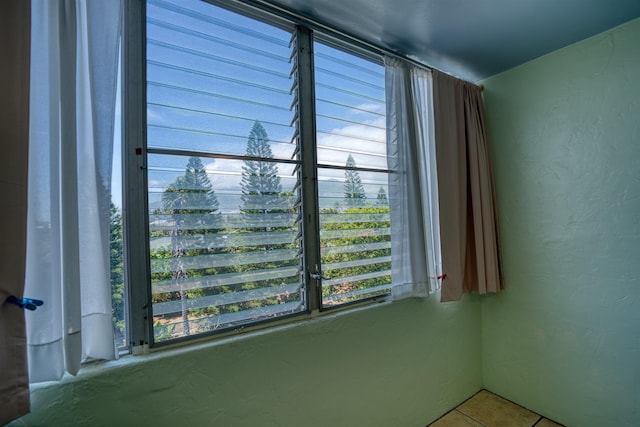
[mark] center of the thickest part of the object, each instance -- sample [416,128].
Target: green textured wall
[398,364]
[564,338]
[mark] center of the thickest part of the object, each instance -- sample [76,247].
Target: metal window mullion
[189,153]
[135,224]
[309,171]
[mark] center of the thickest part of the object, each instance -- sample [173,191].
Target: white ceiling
[472,39]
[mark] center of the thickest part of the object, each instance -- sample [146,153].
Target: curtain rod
[282,12]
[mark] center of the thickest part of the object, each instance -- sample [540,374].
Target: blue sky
[211,73]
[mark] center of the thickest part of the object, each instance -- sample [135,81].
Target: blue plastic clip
[28,303]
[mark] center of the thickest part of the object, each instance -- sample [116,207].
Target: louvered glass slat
[223,279]
[221,240]
[221,170]
[359,248]
[211,74]
[357,263]
[227,298]
[336,234]
[219,321]
[350,109]
[367,292]
[179,264]
[233,222]
[355,235]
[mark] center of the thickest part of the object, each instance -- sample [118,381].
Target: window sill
[101,367]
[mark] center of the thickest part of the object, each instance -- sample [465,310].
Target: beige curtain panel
[14,131]
[468,216]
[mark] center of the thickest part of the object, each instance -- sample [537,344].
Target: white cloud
[377,107]
[366,143]
[154,117]
[225,175]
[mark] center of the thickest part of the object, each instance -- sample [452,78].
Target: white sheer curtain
[413,187]
[74,51]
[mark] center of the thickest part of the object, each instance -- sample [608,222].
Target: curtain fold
[14,128]
[74,56]
[413,191]
[423,115]
[469,226]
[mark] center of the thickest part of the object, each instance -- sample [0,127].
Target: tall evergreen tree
[192,203]
[381,199]
[190,196]
[260,181]
[117,273]
[353,189]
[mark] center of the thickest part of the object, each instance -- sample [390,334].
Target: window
[260,189]
[352,176]
[223,184]
[116,240]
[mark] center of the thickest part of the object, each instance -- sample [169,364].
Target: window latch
[317,275]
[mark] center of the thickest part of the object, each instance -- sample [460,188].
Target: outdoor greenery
[224,261]
[355,244]
[117,274]
[214,270]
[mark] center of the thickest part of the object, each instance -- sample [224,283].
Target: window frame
[354,51]
[137,300]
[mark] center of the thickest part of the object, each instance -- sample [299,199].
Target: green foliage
[361,261]
[163,331]
[192,205]
[363,239]
[203,246]
[117,273]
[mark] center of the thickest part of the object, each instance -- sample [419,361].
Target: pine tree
[193,205]
[262,203]
[382,200]
[260,181]
[190,196]
[353,189]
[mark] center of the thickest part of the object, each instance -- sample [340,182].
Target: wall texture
[398,364]
[564,338]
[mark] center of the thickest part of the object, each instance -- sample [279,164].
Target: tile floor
[486,409]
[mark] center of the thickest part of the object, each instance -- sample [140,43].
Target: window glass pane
[355,235]
[350,109]
[118,294]
[211,74]
[223,218]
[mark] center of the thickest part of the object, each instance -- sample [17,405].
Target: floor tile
[455,419]
[547,423]
[494,411]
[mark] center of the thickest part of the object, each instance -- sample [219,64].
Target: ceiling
[471,39]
